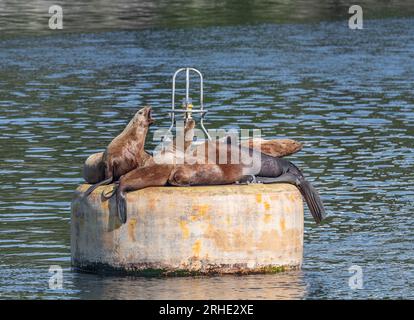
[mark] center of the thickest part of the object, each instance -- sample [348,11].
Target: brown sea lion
[275,148]
[125,152]
[94,168]
[217,173]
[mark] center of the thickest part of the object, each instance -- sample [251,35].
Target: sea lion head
[143,117]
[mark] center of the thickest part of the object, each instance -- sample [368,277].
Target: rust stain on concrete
[184,229]
[267,217]
[241,240]
[229,241]
[105,205]
[197,248]
[287,208]
[152,203]
[107,240]
[273,240]
[200,212]
[282,224]
[131,228]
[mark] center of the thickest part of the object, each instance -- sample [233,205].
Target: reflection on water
[347,95]
[288,285]
[31,17]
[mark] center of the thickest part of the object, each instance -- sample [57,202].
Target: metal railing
[188,108]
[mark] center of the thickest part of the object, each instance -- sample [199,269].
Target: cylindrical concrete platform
[252,228]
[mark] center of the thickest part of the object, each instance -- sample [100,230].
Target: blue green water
[347,95]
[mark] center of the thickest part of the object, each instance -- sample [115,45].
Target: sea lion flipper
[93,187]
[121,206]
[313,200]
[308,192]
[275,148]
[139,178]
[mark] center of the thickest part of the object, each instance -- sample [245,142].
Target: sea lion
[126,151]
[94,168]
[275,148]
[280,170]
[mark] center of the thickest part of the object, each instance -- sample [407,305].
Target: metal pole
[188,109]
[187,87]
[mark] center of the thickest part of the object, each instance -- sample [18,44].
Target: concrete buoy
[254,228]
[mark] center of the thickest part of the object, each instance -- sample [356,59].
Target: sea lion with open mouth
[94,166]
[125,152]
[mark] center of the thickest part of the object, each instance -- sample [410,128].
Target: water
[347,95]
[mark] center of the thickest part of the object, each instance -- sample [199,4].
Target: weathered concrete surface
[190,230]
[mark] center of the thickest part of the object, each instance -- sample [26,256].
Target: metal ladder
[187,105]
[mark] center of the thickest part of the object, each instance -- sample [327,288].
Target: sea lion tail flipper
[93,187]
[121,205]
[313,200]
[308,192]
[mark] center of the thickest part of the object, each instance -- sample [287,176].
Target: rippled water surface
[348,96]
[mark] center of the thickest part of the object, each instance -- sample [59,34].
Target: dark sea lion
[280,170]
[94,168]
[126,152]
